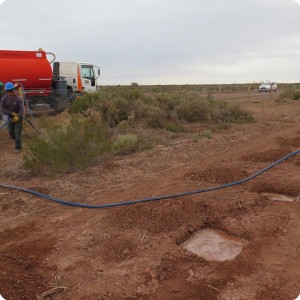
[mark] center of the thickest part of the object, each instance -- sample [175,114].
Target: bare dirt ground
[52,251]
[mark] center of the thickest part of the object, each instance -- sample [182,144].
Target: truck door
[88,78]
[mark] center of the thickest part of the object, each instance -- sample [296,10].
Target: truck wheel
[59,103]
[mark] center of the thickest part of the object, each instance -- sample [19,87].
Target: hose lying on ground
[152,198]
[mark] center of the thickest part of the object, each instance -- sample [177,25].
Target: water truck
[46,83]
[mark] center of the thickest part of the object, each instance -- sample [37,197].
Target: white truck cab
[80,76]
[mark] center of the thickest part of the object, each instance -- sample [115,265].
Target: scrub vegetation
[121,120]
[290,92]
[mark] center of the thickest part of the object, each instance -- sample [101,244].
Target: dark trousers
[15,131]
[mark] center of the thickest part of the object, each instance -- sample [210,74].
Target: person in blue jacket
[12,105]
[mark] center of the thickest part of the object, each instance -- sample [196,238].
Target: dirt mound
[218,174]
[160,216]
[289,142]
[22,272]
[272,184]
[270,155]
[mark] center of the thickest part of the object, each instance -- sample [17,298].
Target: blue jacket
[10,104]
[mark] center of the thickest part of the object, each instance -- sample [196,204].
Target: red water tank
[30,68]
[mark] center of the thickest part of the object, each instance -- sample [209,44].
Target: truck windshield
[87,72]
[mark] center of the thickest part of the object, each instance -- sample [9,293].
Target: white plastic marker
[1,298]
[298,298]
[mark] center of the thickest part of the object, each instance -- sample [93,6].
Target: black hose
[24,118]
[152,198]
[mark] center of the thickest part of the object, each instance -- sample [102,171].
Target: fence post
[249,92]
[220,88]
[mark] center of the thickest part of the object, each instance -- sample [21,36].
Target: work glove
[14,117]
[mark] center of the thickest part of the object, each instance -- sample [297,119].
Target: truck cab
[80,76]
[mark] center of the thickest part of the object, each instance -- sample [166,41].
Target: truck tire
[59,103]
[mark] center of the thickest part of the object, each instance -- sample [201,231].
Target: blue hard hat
[9,86]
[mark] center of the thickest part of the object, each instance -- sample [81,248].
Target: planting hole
[214,245]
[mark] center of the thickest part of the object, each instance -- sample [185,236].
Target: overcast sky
[162,41]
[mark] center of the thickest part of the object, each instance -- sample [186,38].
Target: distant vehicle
[267,87]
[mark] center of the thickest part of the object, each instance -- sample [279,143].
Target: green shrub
[296,96]
[211,111]
[207,133]
[134,114]
[155,117]
[125,144]
[193,111]
[234,114]
[167,102]
[132,106]
[174,127]
[287,94]
[133,93]
[113,111]
[74,146]
[82,103]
